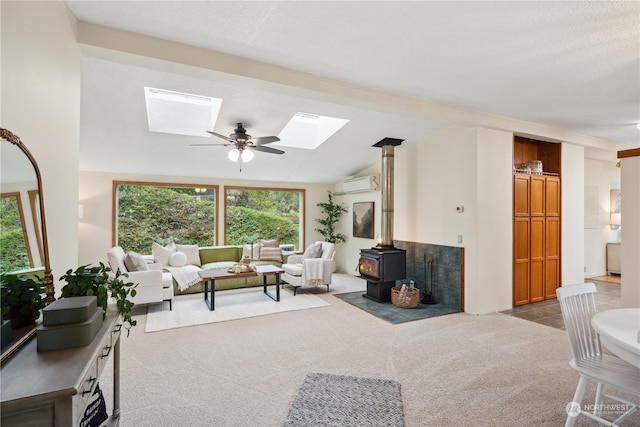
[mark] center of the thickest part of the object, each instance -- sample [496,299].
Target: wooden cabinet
[536,238]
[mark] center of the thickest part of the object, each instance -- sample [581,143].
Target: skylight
[181,113]
[308,131]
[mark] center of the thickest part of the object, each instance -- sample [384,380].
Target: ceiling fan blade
[264,140]
[220,136]
[267,149]
[208,145]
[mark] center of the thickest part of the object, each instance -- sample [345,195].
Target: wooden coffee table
[209,278]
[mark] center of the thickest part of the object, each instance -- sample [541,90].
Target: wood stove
[382,265]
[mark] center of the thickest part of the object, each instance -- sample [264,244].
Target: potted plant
[90,280]
[332,212]
[22,298]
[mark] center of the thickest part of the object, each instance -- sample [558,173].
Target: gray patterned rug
[338,401]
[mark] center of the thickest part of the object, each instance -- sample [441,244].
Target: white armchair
[154,285]
[303,270]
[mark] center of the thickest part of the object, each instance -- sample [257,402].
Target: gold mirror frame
[48,277]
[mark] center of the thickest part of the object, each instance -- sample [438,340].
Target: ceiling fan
[244,144]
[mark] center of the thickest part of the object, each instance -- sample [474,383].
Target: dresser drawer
[85,390]
[106,347]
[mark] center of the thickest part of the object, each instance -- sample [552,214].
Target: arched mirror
[23,246]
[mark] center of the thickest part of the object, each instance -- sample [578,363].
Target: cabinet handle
[108,349]
[91,382]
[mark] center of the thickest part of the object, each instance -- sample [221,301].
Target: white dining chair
[578,306]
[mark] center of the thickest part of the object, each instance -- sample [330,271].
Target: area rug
[393,314]
[191,310]
[340,401]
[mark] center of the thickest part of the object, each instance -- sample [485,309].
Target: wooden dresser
[53,388]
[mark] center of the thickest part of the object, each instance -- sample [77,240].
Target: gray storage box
[71,334]
[69,310]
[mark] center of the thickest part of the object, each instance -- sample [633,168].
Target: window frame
[114,203]
[23,225]
[303,208]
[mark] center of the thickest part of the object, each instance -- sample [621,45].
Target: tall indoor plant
[90,280]
[332,212]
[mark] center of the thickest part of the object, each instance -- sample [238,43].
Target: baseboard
[600,274]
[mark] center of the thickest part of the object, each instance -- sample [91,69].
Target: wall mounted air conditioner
[362,184]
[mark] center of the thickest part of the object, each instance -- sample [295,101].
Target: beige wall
[630,187]
[468,167]
[40,102]
[572,243]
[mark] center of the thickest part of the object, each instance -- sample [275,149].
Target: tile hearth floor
[548,312]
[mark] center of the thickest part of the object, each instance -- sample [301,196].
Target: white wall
[463,167]
[348,253]
[572,244]
[495,216]
[95,194]
[40,102]
[630,259]
[600,177]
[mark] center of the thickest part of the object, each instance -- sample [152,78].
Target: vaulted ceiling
[562,71]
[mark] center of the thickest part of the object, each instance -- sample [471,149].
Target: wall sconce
[616,220]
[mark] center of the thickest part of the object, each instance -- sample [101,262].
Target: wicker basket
[410,299]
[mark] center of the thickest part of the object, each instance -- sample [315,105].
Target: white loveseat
[154,285]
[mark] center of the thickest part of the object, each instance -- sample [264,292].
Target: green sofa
[212,257]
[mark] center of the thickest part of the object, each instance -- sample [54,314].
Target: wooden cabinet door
[552,256]
[521,261]
[521,195]
[552,196]
[537,195]
[537,259]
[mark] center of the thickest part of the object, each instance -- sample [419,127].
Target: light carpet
[191,310]
[341,401]
[489,370]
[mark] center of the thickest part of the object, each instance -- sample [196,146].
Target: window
[151,212]
[15,253]
[264,213]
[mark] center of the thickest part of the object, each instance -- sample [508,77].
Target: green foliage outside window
[13,251]
[148,213]
[247,225]
[262,214]
[151,213]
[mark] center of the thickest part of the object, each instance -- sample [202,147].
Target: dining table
[619,331]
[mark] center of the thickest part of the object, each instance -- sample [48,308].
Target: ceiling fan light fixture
[234,155]
[247,155]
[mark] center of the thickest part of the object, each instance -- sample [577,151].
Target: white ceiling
[568,70]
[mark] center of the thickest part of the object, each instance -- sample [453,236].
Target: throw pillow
[270,254]
[161,254]
[192,252]
[177,259]
[135,262]
[246,251]
[273,243]
[314,250]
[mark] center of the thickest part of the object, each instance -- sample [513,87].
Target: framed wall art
[363,219]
